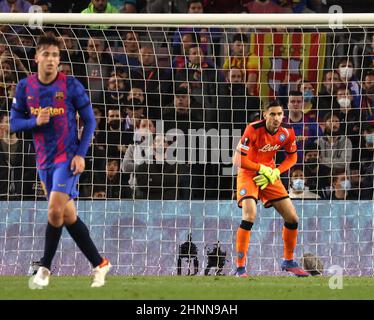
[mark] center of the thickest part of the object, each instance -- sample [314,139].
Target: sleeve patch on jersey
[244,144]
[14,100]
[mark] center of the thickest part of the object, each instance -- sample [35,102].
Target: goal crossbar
[347,19]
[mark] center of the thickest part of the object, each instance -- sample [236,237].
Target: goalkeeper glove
[271,175]
[261,181]
[275,175]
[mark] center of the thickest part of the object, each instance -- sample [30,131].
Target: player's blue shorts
[60,178]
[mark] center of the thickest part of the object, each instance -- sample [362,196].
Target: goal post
[172,94]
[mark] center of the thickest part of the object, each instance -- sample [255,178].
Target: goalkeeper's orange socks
[80,234]
[243,236]
[289,236]
[52,238]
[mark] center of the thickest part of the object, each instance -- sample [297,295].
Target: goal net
[171,100]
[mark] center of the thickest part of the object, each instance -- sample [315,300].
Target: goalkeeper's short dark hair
[273,103]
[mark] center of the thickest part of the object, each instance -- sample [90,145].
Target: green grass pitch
[188,288]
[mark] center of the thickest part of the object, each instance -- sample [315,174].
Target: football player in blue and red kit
[47,103]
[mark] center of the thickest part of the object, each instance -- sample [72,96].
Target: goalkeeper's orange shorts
[247,189]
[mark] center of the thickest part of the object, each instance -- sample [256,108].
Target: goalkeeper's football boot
[99,273]
[41,278]
[293,267]
[241,272]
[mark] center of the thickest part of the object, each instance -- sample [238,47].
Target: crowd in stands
[153,91]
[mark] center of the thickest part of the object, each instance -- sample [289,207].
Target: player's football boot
[241,272]
[99,273]
[41,278]
[293,267]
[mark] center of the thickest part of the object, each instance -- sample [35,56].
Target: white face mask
[346,72]
[345,185]
[298,184]
[344,102]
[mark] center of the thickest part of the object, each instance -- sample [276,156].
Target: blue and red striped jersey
[56,141]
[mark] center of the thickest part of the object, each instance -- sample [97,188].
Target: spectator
[129,56]
[129,6]
[367,160]
[100,6]
[70,53]
[348,78]
[135,111]
[367,105]
[18,179]
[140,151]
[326,101]
[223,6]
[184,113]
[212,36]
[115,183]
[368,63]
[293,6]
[14,6]
[161,178]
[236,105]
[341,186]
[162,6]
[298,186]
[74,6]
[349,116]
[309,99]
[264,6]
[317,175]
[335,147]
[241,58]
[115,92]
[182,122]
[45,5]
[306,129]
[202,80]
[99,192]
[157,82]
[115,137]
[360,187]
[98,69]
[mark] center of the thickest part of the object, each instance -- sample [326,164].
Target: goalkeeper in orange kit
[258,178]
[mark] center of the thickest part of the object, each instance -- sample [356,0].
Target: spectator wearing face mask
[349,79]
[341,186]
[309,96]
[349,116]
[360,186]
[298,188]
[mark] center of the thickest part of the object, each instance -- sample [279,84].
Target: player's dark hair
[273,103]
[48,40]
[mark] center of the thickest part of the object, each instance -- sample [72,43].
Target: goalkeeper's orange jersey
[259,146]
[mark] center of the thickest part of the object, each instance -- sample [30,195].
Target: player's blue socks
[80,234]
[52,238]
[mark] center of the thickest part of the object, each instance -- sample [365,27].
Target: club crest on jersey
[282,137]
[243,192]
[59,95]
